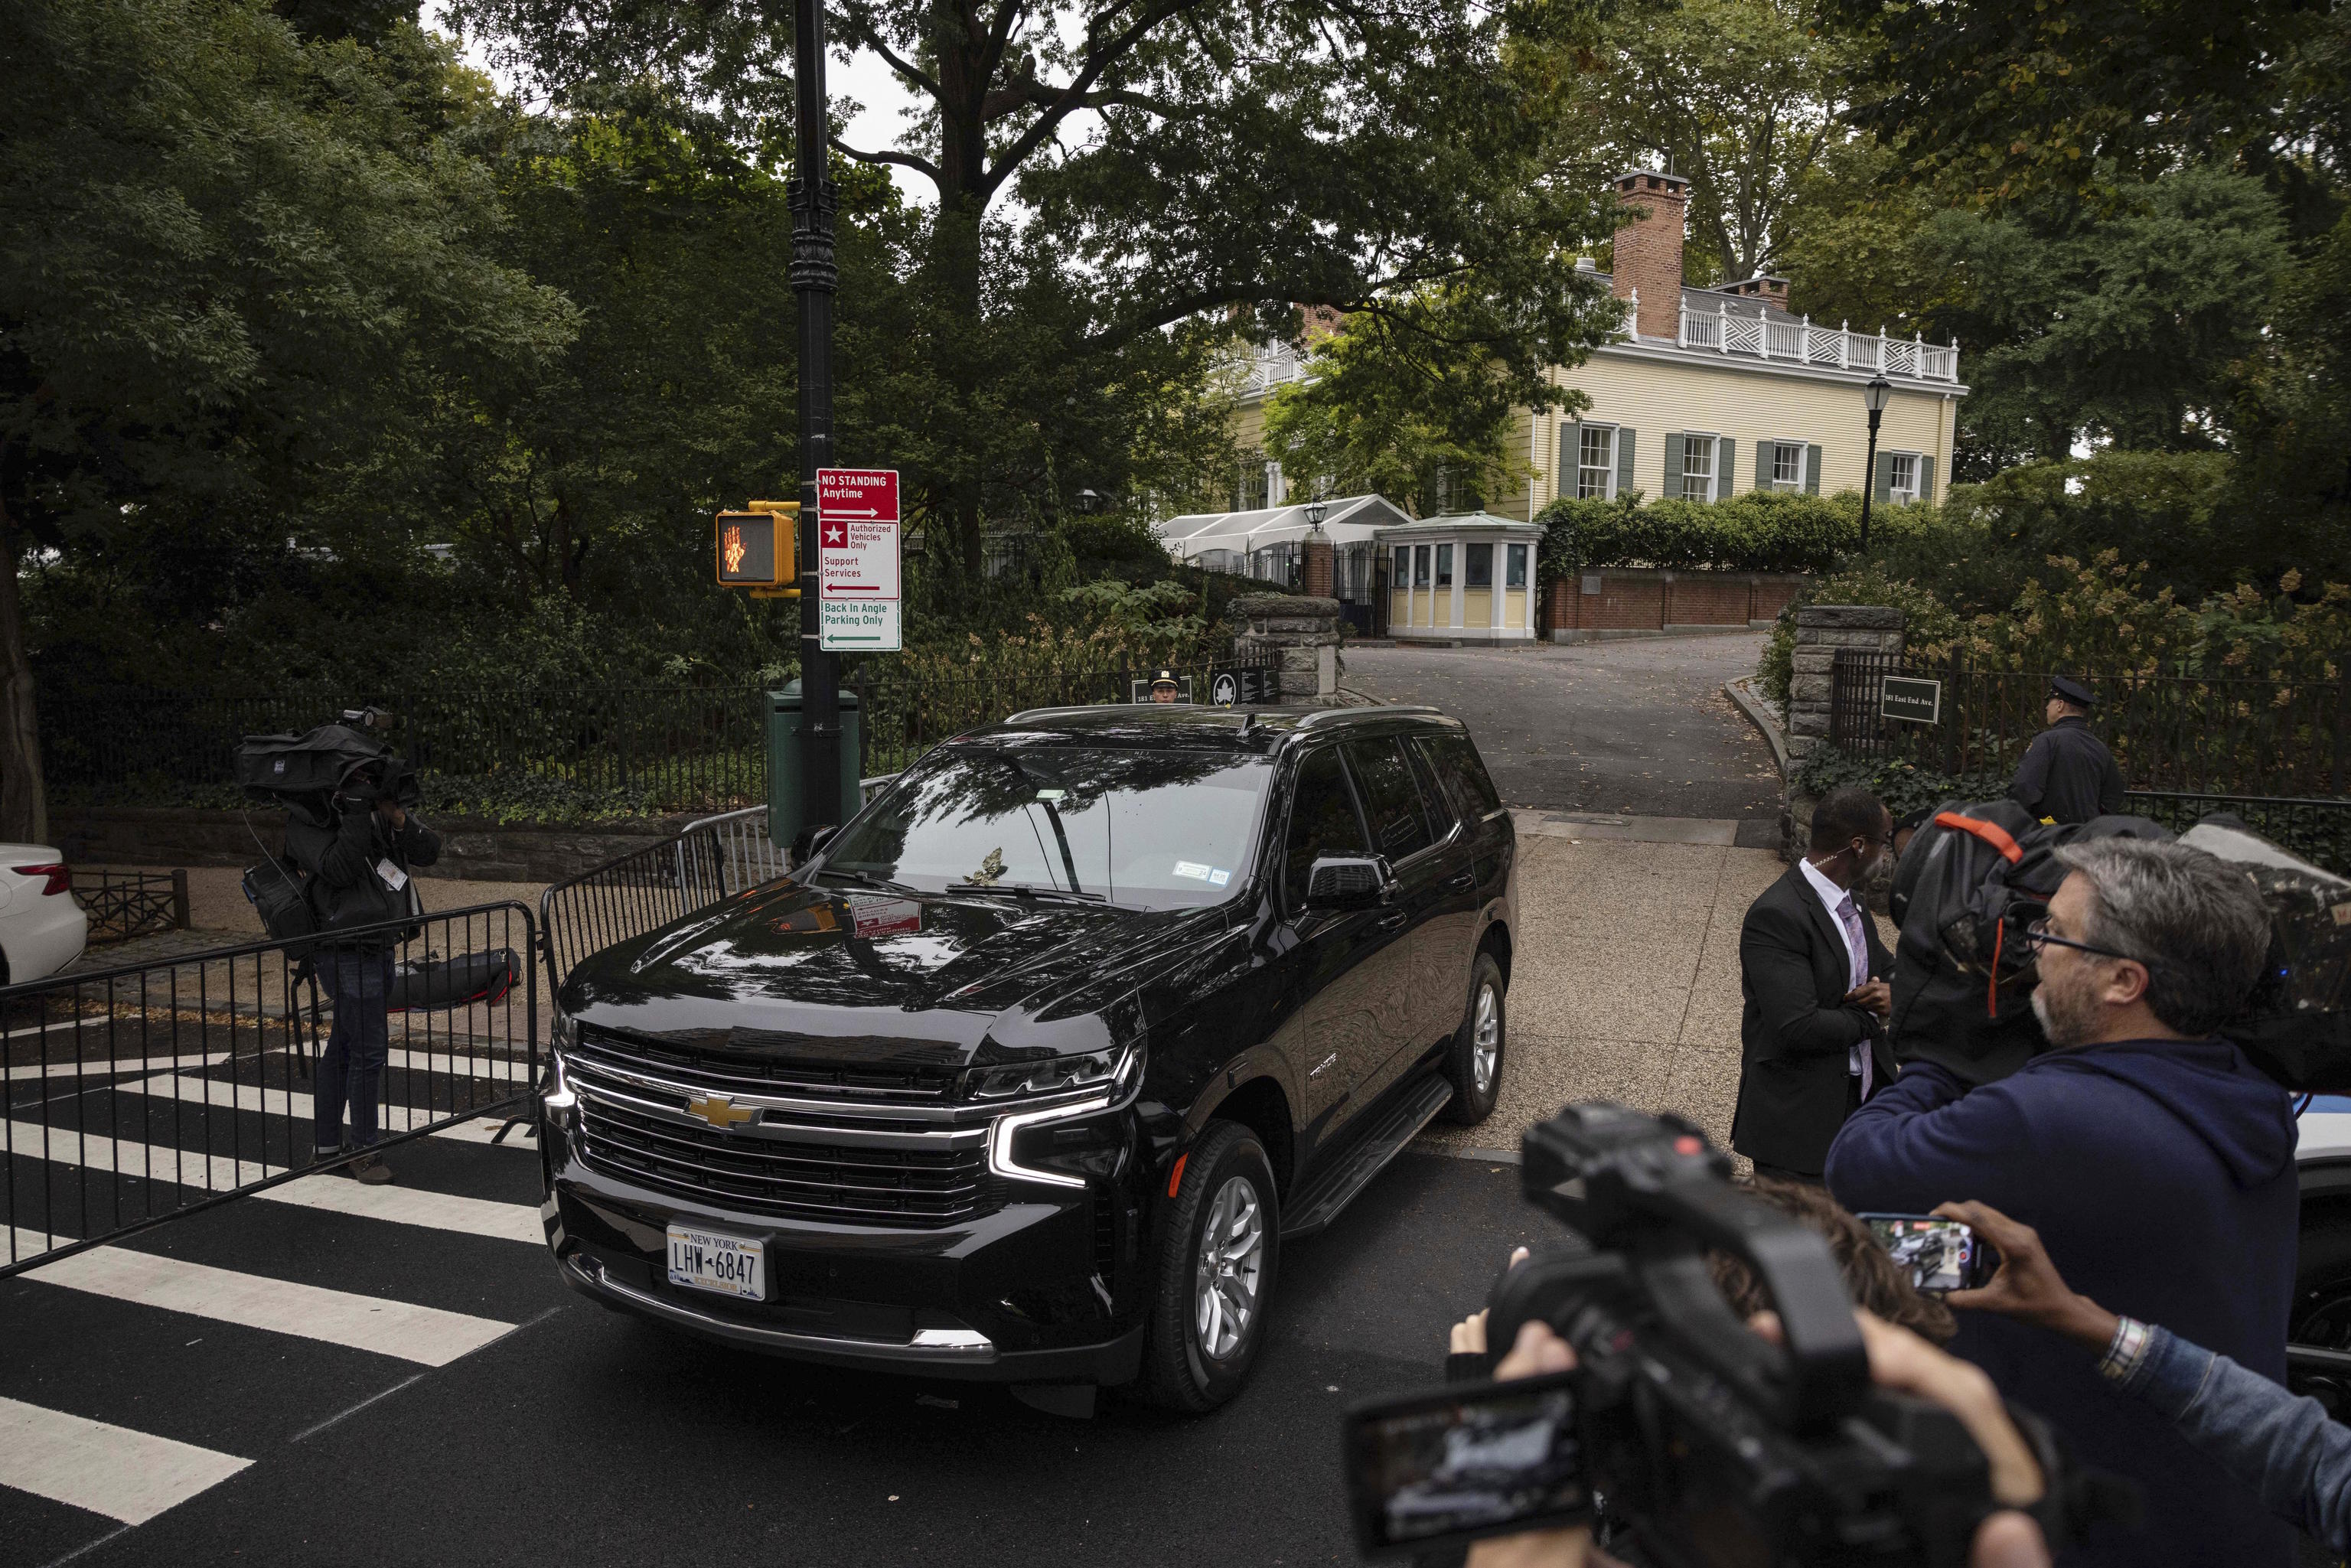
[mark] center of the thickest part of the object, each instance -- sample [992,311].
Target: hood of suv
[832,975]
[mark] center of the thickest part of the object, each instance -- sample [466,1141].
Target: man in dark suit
[1813,970]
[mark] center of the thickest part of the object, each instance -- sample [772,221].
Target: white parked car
[42,929]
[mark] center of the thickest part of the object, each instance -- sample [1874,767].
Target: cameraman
[362,861]
[2282,1445]
[2158,1162]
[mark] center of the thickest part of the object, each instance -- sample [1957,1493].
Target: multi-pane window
[1518,576]
[1902,477]
[1480,566]
[1787,466]
[1595,462]
[1697,467]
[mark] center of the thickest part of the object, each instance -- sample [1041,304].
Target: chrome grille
[862,1165]
[764,1075]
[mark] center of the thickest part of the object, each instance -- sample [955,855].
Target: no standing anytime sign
[857,556]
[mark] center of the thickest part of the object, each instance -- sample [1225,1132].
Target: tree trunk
[24,804]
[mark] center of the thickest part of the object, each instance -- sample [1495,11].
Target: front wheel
[1474,1062]
[1218,1244]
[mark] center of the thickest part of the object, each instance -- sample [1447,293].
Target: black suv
[1029,1071]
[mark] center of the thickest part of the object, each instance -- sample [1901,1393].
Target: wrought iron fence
[636,751]
[148,1090]
[2317,829]
[126,903]
[2225,735]
[654,748]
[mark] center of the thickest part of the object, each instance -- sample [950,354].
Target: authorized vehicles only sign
[858,560]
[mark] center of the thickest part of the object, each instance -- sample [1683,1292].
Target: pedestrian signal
[757,548]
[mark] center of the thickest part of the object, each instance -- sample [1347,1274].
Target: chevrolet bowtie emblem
[720,1112]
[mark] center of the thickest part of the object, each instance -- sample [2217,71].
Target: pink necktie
[1857,949]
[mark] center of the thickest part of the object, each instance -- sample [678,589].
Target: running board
[1337,1187]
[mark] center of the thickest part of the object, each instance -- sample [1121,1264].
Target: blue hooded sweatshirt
[2160,1174]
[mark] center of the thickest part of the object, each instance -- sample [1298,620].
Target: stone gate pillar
[1303,633]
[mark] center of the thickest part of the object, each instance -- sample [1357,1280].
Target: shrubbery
[1761,530]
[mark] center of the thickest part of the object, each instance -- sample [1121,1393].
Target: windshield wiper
[1028,890]
[867,879]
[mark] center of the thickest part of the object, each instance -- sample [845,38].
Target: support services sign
[858,560]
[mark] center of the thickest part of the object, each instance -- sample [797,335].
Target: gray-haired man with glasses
[2155,1161]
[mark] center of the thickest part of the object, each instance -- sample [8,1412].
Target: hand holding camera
[1810,1435]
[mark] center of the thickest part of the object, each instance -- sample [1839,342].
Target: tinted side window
[1436,798]
[1323,821]
[1391,797]
[1456,762]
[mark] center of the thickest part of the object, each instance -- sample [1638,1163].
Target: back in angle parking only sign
[1918,701]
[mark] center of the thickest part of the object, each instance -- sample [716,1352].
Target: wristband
[2125,1350]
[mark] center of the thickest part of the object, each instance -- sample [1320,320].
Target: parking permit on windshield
[1219,877]
[1193,869]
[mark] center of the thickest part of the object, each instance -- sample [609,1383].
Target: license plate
[730,1265]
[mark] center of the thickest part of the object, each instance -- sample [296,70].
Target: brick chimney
[1650,248]
[1768,286]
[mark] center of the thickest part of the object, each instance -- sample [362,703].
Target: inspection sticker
[1219,877]
[1192,869]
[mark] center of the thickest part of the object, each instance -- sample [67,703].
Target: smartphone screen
[1940,1254]
[1460,1463]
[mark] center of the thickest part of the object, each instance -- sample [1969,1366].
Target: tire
[1473,1062]
[1227,1177]
[2322,1302]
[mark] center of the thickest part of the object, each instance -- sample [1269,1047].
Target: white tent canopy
[1349,521]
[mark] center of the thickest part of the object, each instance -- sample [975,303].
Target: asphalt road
[1638,728]
[582,1436]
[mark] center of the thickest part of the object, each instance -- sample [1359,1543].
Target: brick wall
[1638,599]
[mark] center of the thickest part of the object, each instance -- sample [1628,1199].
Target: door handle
[1462,882]
[1392,919]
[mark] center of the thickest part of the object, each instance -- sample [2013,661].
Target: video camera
[347,759]
[1716,1447]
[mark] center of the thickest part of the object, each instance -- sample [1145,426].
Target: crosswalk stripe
[100,1066]
[96,1465]
[426,1335]
[339,1195]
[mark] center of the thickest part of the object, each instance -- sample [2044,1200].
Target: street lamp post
[1873,396]
[814,277]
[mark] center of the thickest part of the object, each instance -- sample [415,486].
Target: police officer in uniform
[2067,774]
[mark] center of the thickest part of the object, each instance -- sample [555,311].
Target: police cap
[2065,688]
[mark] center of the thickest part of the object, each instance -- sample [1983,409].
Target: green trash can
[786,814]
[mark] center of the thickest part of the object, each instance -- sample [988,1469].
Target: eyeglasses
[2037,937]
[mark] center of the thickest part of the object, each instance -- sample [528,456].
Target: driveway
[1638,728]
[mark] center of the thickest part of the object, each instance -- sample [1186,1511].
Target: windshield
[1156,830]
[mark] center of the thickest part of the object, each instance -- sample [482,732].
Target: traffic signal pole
[814,278]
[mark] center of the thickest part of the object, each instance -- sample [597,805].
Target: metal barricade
[143,1091]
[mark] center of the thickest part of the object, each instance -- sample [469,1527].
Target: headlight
[1113,1076]
[1057,1075]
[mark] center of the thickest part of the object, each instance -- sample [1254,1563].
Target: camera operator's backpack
[1963,979]
[279,892]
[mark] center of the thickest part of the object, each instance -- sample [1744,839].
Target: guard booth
[1465,578]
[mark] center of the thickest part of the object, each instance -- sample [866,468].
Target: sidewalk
[1625,983]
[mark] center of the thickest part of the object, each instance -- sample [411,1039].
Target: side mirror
[1337,882]
[807,843]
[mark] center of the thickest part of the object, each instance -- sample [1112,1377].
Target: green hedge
[1761,530]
